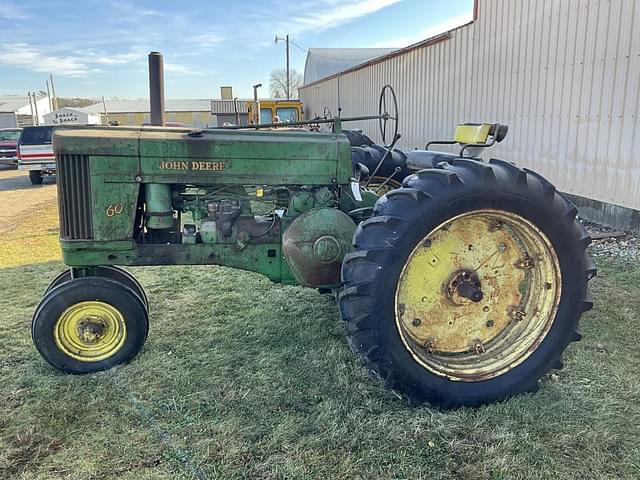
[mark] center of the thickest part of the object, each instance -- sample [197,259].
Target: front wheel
[467,284]
[89,324]
[35,177]
[107,271]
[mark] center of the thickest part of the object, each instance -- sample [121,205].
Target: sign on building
[71,116]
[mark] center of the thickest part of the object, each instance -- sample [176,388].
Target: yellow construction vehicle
[274,111]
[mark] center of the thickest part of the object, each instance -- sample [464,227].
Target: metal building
[20,111]
[193,113]
[563,74]
[72,116]
[322,62]
[230,111]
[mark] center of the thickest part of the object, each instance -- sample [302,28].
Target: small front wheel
[89,324]
[108,271]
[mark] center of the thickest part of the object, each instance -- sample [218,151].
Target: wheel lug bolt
[430,346]
[478,347]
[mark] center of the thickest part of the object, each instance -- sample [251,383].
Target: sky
[100,47]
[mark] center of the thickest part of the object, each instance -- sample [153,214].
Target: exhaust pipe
[156,89]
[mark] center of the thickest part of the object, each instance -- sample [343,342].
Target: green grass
[241,378]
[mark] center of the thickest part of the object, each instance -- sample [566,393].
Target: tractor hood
[168,155]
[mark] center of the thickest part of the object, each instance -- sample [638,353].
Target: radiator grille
[74,197]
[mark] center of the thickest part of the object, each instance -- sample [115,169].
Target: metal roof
[324,62]
[226,106]
[12,103]
[75,109]
[142,106]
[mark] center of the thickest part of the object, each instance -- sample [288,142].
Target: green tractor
[461,287]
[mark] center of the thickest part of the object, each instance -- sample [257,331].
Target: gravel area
[625,248]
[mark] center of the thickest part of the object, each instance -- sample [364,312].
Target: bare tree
[278,83]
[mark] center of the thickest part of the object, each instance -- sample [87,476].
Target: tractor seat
[471,137]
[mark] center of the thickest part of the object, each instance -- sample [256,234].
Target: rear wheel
[382,185]
[467,284]
[391,172]
[89,324]
[35,176]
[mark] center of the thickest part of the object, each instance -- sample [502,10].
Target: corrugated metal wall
[190,119]
[563,74]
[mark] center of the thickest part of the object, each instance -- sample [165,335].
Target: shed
[70,115]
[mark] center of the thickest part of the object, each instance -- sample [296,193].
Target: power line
[296,45]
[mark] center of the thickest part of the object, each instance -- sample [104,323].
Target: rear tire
[381,185]
[370,156]
[387,242]
[35,176]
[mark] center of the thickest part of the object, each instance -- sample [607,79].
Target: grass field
[244,379]
[241,378]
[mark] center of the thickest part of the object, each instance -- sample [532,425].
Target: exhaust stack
[156,89]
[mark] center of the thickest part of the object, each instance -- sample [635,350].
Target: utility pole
[288,76]
[106,113]
[33,118]
[53,92]
[35,106]
[286,39]
[50,99]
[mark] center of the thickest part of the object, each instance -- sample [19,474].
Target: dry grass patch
[28,226]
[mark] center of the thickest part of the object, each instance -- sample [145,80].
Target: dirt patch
[18,198]
[28,220]
[26,449]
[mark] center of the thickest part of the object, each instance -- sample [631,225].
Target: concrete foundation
[614,216]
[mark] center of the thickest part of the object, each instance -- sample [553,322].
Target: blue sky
[99,47]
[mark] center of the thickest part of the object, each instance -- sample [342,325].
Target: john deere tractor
[462,286]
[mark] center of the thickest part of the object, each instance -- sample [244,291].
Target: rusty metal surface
[315,244]
[513,265]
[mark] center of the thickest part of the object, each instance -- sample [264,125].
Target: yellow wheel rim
[478,295]
[90,331]
[376,185]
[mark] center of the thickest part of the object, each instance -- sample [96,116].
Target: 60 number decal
[114,209]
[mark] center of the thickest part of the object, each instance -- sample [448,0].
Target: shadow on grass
[22,182]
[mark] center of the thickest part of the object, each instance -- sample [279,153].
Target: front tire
[35,177]
[89,324]
[507,237]
[107,271]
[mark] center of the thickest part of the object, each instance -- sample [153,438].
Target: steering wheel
[388,97]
